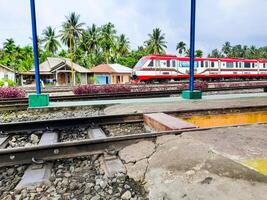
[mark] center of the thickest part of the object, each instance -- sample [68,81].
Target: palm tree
[72,30]
[156,43]
[199,53]
[107,40]
[90,39]
[215,53]
[227,48]
[122,46]
[9,46]
[51,44]
[181,47]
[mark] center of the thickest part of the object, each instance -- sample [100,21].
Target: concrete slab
[96,133]
[246,145]
[186,168]
[137,152]
[3,142]
[112,165]
[164,122]
[38,174]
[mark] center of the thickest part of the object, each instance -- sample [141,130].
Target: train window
[212,64]
[253,65]
[141,63]
[229,65]
[151,64]
[206,64]
[168,63]
[264,65]
[247,65]
[184,64]
[236,64]
[173,63]
[157,63]
[202,64]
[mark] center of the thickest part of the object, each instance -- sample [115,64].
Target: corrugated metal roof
[120,68]
[7,68]
[52,64]
[111,68]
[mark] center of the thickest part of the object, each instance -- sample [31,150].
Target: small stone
[67,175]
[34,139]
[39,189]
[73,186]
[103,184]
[10,171]
[126,195]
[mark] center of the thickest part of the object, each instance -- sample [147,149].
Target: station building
[58,71]
[111,74]
[7,73]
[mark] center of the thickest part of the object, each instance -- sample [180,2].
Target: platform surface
[152,100]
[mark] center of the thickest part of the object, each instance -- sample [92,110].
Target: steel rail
[96,121]
[22,155]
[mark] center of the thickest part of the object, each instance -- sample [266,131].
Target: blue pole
[192,45]
[35,47]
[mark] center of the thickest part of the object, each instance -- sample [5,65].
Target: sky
[237,21]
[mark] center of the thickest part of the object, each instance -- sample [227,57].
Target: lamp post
[35,47]
[191,93]
[192,44]
[38,99]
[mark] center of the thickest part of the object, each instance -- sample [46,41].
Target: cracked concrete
[194,166]
[137,152]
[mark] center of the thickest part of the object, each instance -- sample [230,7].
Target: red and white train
[163,68]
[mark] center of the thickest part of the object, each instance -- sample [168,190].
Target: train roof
[171,57]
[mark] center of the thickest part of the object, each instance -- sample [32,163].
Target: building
[7,73]
[58,71]
[111,74]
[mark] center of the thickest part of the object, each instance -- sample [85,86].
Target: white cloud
[237,21]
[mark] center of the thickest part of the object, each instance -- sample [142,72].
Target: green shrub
[9,82]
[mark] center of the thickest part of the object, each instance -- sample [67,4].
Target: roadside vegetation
[92,45]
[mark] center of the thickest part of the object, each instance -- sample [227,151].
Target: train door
[158,68]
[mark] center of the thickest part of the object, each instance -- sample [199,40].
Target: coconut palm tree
[107,40]
[181,47]
[90,39]
[72,30]
[9,46]
[156,43]
[227,49]
[199,53]
[51,43]
[215,53]
[122,46]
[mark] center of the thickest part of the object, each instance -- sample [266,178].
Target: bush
[9,82]
[103,89]
[11,92]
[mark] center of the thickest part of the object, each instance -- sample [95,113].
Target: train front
[137,70]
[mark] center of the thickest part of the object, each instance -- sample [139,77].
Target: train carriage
[163,68]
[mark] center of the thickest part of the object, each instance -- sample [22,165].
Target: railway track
[52,143]
[24,155]
[22,103]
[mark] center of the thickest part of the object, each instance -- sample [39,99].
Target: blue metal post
[35,47]
[192,44]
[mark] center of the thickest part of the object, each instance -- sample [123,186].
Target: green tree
[156,43]
[72,30]
[181,47]
[107,40]
[90,39]
[199,53]
[215,53]
[51,43]
[227,49]
[122,46]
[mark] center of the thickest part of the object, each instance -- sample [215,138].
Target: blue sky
[237,21]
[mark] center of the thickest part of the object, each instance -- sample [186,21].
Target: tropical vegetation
[93,45]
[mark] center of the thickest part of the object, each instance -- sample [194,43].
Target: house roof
[7,68]
[111,68]
[53,64]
